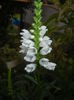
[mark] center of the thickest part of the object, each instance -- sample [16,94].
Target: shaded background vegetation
[49,85]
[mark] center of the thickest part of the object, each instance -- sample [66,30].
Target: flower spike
[35,43]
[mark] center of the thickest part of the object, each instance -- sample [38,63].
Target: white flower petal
[25,31]
[51,66]
[26,34]
[45,50]
[44,62]
[27,43]
[21,33]
[43,30]
[30,67]
[45,41]
[23,49]
[30,58]
[43,27]
[46,38]
[32,51]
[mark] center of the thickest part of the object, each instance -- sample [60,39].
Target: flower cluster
[30,52]
[35,44]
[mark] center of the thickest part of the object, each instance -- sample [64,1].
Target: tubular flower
[30,58]
[23,49]
[30,67]
[25,34]
[45,41]
[43,30]
[32,51]
[27,43]
[46,64]
[45,50]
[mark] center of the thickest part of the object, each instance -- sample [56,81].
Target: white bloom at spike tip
[30,67]
[30,58]
[45,50]
[32,51]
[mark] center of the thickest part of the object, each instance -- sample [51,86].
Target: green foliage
[9,51]
[61,27]
[10,89]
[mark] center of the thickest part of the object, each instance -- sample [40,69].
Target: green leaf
[31,78]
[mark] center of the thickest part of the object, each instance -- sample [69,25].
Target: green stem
[71,33]
[36,26]
[37,75]
[10,90]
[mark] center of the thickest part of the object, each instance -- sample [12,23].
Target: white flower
[46,64]
[45,50]
[43,30]
[26,34]
[30,58]
[23,49]
[27,43]
[46,38]
[25,31]
[43,27]
[51,66]
[30,67]
[45,42]
[32,51]
[23,34]
[42,33]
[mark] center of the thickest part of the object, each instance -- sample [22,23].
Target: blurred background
[58,16]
